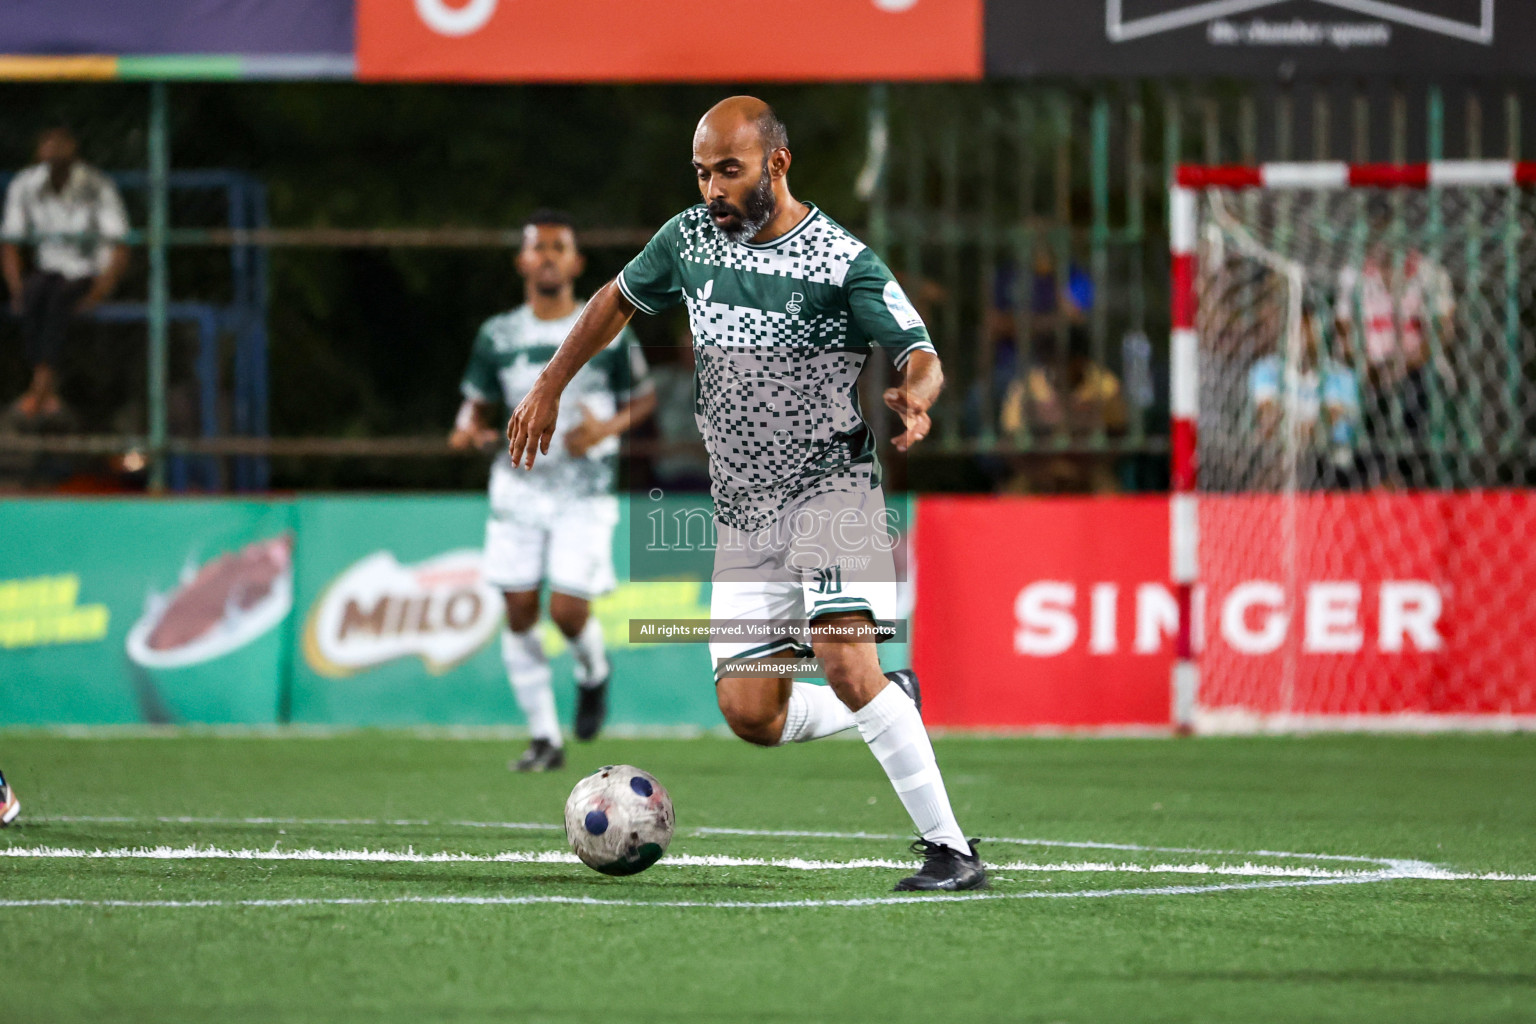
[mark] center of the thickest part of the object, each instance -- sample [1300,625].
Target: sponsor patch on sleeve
[901,307]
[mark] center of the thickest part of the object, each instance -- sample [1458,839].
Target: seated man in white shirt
[77,218]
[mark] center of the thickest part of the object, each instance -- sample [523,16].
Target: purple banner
[176,26]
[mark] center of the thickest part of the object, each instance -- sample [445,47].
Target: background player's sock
[591,656]
[894,731]
[814,712]
[528,670]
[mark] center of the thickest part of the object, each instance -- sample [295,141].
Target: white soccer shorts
[573,550]
[829,554]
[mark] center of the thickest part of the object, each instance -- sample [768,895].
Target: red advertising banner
[1043,612]
[1344,608]
[1368,604]
[668,40]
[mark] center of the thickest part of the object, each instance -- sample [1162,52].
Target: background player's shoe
[907,680]
[9,805]
[944,870]
[541,756]
[591,709]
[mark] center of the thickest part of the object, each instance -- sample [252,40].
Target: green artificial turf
[1394,949]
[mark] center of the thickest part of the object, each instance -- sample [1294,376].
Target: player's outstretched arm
[922,380]
[533,421]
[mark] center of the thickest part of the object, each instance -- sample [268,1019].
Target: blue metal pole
[159,280]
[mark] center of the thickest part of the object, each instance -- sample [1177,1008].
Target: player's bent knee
[522,610]
[569,614]
[751,716]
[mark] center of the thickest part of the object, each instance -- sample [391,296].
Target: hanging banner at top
[275,27]
[668,40]
[1261,38]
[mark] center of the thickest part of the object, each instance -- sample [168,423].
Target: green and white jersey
[780,333]
[510,351]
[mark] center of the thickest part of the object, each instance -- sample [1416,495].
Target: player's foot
[944,870]
[907,680]
[541,756]
[9,805]
[591,709]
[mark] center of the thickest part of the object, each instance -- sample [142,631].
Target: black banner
[1261,38]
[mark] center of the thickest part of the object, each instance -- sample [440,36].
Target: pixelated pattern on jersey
[777,409]
[820,253]
[776,386]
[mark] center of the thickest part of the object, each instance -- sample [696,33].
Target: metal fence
[283,325]
[1032,218]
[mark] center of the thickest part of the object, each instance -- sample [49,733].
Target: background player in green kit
[785,307]
[554,524]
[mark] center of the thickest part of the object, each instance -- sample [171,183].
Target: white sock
[528,671]
[591,656]
[894,731]
[814,712]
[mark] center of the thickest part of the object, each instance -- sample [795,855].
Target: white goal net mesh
[1367,548]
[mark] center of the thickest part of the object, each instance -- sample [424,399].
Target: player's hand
[477,437]
[914,416]
[533,424]
[580,438]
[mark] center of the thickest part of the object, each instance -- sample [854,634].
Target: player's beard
[760,205]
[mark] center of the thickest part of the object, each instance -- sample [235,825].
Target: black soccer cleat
[591,709]
[9,805]
[907,680]
[541,756]
[944,870]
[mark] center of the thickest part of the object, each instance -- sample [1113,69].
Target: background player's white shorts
[760,579]
[572,550]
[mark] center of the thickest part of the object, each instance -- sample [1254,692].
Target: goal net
[1354,530]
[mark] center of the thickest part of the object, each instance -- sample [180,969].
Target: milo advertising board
[399,628]
[143,611]
[344,611]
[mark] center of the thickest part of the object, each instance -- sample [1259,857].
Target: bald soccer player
[785,307]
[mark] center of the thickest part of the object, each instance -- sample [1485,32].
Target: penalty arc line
[187,853]
[1402,869]
[1396,867]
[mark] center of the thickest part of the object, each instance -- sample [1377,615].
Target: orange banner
[668,40]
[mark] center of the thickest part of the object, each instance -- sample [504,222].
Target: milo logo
[378,610]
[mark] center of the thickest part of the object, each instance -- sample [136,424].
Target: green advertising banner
[398,627]
[143,611]
[334,611]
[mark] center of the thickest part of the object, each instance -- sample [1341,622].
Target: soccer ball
[618,820]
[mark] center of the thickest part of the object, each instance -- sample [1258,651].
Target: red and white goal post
[1354,446]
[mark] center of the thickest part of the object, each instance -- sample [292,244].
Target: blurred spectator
[1052,297]
[683,464]
[1389,309]
[77,215]
[1075,400]
[1054,301]
[1320,399]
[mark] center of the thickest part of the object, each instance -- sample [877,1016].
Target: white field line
[1394,869]
[182,819]
[532,826]
[587,901]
